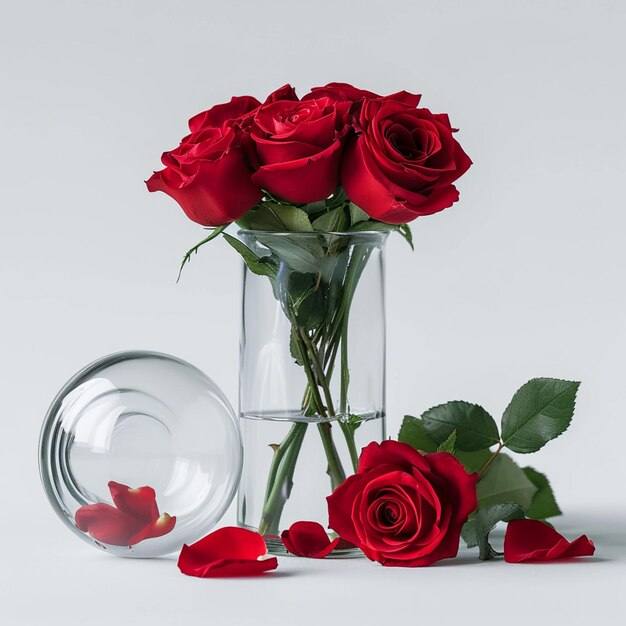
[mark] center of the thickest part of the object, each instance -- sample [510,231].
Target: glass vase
[312,372]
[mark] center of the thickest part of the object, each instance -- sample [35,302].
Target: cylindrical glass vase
[312,372]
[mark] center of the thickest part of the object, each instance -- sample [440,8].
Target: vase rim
[290,233]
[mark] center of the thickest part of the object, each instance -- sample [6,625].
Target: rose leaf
[335,221]
[476,531]
[475,428]
[405,231]
[543,504]
[473,461]
[357,214]
[540,410]
[263,266]
[448,444]
[413,432]
[504,481]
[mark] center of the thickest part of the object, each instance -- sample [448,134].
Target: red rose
[402,162]
[344,92]
[207,174]
[298,147]
[340,92]
[403,508]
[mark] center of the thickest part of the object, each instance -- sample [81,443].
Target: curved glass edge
[47,438]
[357,235]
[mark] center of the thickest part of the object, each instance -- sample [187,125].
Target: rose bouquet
[314,184]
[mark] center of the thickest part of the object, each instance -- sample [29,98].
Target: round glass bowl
[140,453]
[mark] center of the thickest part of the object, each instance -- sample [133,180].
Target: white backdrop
[523,277]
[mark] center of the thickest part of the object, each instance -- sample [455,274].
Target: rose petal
[391,452]
[220,114]
[139,503]
[158,528]
[308,539]
[532,540]
[303,180]
[340,507]
[107,524]
[134,517]
[229,551]
[460,486]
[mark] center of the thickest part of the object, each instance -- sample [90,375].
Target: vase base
[276,547]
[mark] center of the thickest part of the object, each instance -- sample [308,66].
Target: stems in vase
[318,350]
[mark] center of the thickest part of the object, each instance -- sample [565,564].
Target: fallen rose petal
[107,524]
[134,517]
[308,539]
[158,528]
[139,503]
[532,540]
[229,551]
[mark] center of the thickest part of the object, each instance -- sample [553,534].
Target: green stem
[335,468]
[348,429]
[279,453]
[283,482]
[491,459]
[319,372]
[317,399]
[280,479]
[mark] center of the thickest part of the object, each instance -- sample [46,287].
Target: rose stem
[275,502]
[490,460]
[335,469]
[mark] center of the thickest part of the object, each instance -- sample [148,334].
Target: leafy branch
[541,410]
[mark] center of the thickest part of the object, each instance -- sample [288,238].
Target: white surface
[524,277]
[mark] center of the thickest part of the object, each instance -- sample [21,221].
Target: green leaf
[335,221]
[263,266]
[187,258]
[413,432]
[405,231]
[504,481]
[294,253]
[475,428]
[473,462]
[307,299]
[448,444]
[357,214]
[294,348]
[338,198]
[476,531]
[468,532]
[544,503]
[280,218]
[540,410]
[314,207]
[373,225]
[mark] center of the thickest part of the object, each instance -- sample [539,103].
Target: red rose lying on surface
[532,540]
[227,552]
[403,508]
[134,517]
[308,539]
